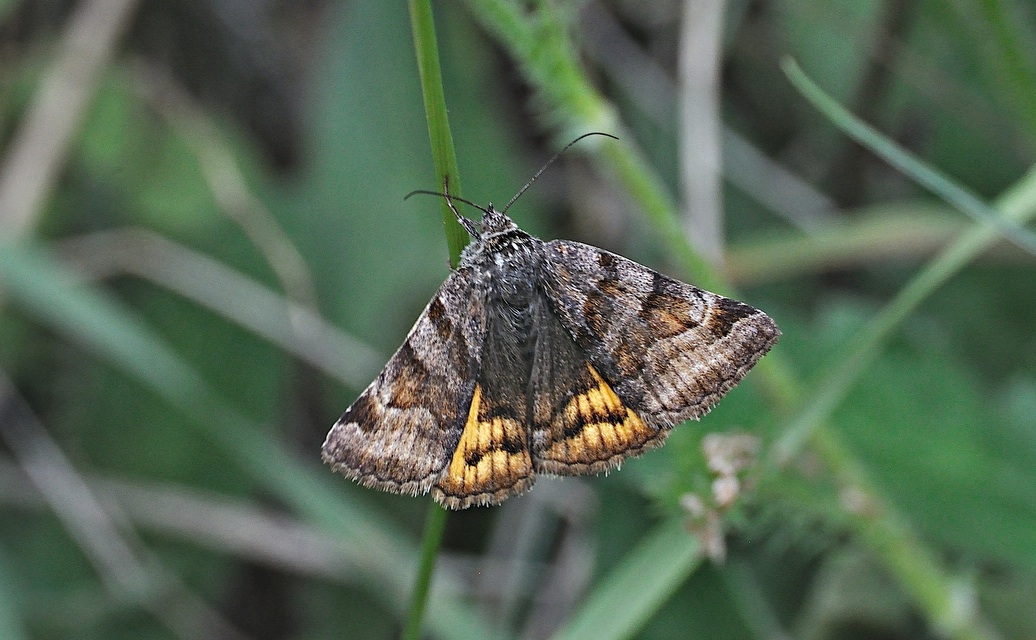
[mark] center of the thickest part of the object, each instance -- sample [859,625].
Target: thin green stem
[923,174]
[435,524]
[444,157]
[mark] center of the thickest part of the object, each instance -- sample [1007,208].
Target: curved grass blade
[925,175]
[626,598]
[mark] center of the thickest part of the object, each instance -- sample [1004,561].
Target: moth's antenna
[468,225]
[448,197]
[550,162]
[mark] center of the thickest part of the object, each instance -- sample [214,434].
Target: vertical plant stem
[435,524]
[444,156]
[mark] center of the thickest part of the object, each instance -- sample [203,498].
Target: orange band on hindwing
[492,459]
[594,431]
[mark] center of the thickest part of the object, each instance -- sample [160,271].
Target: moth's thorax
[500,246]
[507,260]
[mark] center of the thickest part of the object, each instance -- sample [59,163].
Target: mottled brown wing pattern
[402,431]
[669,350]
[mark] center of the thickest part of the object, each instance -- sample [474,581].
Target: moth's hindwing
[401,433]
[668,350]
[579,424]
[492,461]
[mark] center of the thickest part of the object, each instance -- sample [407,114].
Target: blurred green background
[205,256]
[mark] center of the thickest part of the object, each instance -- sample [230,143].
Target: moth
[541,358]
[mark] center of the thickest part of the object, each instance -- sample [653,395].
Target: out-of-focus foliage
[162,408]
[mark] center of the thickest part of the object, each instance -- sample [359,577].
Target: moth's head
[494,221]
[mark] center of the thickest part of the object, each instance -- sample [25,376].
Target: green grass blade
[935,181]
[443,153]
[626,598]
[435,526]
